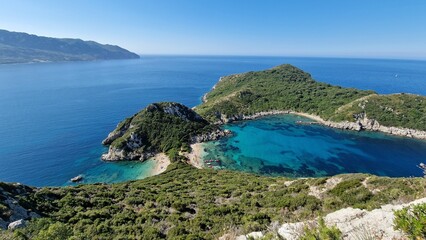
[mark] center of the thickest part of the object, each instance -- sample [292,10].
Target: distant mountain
[18,47]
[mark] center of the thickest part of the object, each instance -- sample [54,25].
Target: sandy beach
[195,156]
[161,164]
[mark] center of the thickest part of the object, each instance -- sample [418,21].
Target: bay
[53,116]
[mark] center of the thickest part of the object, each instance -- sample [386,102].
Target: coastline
[162,161]
[196,155]
[364,124]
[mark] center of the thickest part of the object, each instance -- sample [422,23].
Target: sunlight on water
[276,145]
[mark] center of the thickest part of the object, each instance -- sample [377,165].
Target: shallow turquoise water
[276,145]
[118,172]
[54,116]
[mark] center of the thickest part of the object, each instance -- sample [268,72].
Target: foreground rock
[160,127]
[13,213]
[17,224]
[354,223]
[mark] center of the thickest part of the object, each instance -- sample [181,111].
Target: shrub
[412,221]
[321,232]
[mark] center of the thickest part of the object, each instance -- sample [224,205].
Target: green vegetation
[281,88]
[188,203]
[288,88]
[321,232]
[398,110]
[18,47]
[161,127]
[412,221]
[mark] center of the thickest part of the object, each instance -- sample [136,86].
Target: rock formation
[158,128]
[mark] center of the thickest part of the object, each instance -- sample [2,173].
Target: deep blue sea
[53,116]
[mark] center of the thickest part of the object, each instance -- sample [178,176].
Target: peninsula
[287,89]
[188,203]
[171,127]
[17,47]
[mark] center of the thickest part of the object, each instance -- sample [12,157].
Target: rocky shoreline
[118,154]
[361,124]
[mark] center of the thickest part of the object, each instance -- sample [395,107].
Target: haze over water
[54,116]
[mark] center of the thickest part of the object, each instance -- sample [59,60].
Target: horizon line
[280,56]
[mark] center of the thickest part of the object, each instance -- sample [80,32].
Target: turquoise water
[54,116]
[276,145]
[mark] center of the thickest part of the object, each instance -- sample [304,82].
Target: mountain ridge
[19,47]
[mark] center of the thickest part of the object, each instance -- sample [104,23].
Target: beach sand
[195,156]
[161,164]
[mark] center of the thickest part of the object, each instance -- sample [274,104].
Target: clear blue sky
[347,28]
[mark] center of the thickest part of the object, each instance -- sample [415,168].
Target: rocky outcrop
[117,154]
[15,213]
[363,123]
[17,224]
[146,133]
[354,223]
[118,132]
[211,136]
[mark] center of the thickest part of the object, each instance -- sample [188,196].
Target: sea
[53,117]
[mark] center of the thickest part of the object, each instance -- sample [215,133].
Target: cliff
[160,127]
[18,47]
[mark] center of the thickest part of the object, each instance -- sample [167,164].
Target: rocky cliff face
[354,223]
[210,136]
[12,211]
[158,127]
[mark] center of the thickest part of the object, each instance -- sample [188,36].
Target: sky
[326,28]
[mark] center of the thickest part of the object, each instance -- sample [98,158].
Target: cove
[278,146]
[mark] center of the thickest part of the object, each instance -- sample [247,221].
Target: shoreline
[196,155]
[360,125]
[162,161]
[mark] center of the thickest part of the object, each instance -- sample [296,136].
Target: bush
[412,221]
[56,231]
[321,232]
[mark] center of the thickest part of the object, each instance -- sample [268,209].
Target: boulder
[16,224]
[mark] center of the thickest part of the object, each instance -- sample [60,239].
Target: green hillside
[286,87]
[161,127]
[188,203]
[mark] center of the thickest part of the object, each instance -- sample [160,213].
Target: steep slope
[160,127]
[22,48]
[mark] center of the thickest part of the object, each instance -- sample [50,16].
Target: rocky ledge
[158,128]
